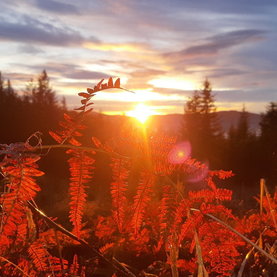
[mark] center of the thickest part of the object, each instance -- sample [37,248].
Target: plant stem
[85,148]
[17,267]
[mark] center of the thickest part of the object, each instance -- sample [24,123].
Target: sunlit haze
[141,112]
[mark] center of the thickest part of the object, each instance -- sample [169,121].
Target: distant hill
[172,123]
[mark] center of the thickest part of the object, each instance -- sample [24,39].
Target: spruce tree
[201,126]
[42,93]
[268,143]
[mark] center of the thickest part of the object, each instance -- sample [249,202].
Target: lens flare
[179,153]
[197,173]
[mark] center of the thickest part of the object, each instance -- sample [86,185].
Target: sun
[141,112]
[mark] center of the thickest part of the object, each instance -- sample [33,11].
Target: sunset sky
[162,50]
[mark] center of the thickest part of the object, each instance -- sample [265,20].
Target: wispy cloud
[213,45]
[57,7]
[85,74]
[31,30]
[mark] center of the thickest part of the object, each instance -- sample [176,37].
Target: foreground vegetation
[168,213]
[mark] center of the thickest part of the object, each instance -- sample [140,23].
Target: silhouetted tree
[42,93]
[268,142]
[201,125]
[242,156]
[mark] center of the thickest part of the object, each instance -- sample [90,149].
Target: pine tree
[201,125]
[242,155]
[42,93]
[242,130]
[1,82]
[268,141]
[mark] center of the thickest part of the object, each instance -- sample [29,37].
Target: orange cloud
[117,47]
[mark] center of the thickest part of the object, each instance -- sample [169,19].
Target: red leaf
[56,137]
[96,142]
[75,142]
[83,94]
[67,117]
[110,82]
[117,83]
[80,108]
[99,84]
[87,111]
[90,90]
[104,86]
[84,101]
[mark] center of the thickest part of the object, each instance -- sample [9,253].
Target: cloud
[30,30]
[117,47]
[232,96]
[85,74]
[71,71]
[29,49]
[22,77]
[224,72]
[139,79]
[215,44]
[246,95]
[57,7]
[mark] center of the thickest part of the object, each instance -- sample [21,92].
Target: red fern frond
[206,195]
[19,169]
[56,264]
[74,267]
[160,148]
[99,87]
[167,209]
[118,191]
[107,247]
[188,226]
[81,174]
[71,127]
[141,199]
[13,214]
[181,214]
[39,256]
[219,248]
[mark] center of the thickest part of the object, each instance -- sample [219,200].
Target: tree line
[250,155]
[36,108]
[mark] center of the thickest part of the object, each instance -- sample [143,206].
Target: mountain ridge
[172,123]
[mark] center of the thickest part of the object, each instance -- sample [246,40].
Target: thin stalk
[17,267]
[262,186]
[201,268]
[85,148]
[173,255]
[59,250]
[202,272]
[114,263]
[271,210]
[240,235]
[247,256]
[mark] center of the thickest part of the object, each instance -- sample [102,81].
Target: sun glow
[141,112]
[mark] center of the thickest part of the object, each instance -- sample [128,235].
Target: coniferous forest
[83,196]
